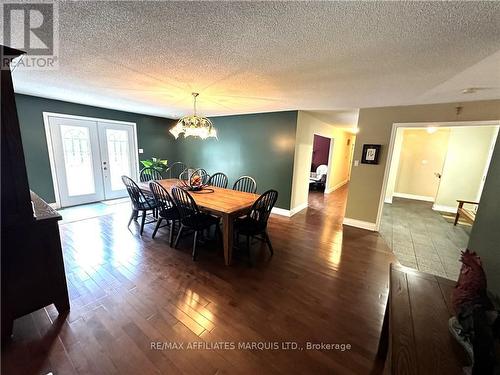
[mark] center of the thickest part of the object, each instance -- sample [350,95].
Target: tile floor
[422,238]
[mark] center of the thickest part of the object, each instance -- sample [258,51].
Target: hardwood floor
[325,284]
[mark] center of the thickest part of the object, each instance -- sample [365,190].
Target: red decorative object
[194,180]
[471,284]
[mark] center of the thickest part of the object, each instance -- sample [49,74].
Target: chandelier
[194,126]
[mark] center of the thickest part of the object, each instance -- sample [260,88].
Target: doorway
[431,168]
[440,165]
[320,162]
[88,156]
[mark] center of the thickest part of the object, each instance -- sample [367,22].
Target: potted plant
[159,164]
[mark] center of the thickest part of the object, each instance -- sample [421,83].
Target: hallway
[331,205]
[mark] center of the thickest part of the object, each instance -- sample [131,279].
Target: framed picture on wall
[371,154]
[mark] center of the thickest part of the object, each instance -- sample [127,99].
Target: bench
[415,337]
[468,213]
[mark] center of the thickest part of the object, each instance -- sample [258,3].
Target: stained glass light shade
[194,126]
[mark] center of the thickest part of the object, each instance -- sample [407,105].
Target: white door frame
[487,166]
[50,147]
[397,125]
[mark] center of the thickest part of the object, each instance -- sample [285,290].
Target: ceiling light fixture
[194,125]
[431,129]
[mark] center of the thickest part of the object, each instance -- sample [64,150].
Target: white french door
[89,156]
[117,157]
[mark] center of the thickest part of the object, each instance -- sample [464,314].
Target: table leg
[227,237]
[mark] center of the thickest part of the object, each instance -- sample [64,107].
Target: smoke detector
[469,90]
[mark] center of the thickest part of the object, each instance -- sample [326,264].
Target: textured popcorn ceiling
[247,57]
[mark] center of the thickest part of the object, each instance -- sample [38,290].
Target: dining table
[227,204]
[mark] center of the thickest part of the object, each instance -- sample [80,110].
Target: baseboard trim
[338,186]
[442,208]
[360,224]
[299,208]
[280,211]
[414,197]
[289,213]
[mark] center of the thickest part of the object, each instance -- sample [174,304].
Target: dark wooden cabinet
[32,267]
[415,338]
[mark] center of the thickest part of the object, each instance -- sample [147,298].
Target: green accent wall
[260,145]
[152,136]
[485,234]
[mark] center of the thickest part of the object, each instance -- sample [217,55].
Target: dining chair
[149,174]
[246,184]
[175,170]
[254,223]
[140,202]
[166,208]
[192,217]
[218,179]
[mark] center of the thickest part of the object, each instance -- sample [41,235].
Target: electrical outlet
[141,151]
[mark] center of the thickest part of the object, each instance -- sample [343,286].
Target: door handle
[438,175]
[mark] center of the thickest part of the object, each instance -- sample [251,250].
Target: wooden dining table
[226,203]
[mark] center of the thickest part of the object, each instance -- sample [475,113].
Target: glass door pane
[118,157]
[77,160]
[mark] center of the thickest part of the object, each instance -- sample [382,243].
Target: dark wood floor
[324,284]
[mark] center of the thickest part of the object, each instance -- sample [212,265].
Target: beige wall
[466,159]
[422,155]
[338,167]
[375,124]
